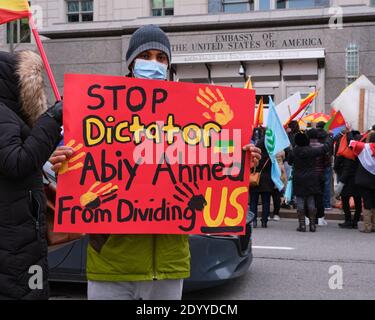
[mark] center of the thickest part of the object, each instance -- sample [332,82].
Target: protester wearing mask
[29,132]
[125,266]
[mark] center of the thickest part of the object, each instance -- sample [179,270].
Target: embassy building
[285,45]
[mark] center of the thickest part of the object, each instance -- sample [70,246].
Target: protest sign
[154,157]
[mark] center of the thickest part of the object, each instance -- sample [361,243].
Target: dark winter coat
[266,184]
[27,139]
[320,161]
[346,170]
[364,179]
[305,179]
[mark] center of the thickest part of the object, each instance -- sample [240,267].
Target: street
[291,265]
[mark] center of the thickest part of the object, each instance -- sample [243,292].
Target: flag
[13,10]
[248,84]
[259,116]
[304,103]
[224,146]
[365,153]
[336,124]
[289,106]
[333,111]
[276,140]
[344,150]
[289,189]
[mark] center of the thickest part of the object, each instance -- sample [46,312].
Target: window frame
[287,6]
[265,105]
[80,12]
[251,5]
[351,63]
[163,9]
[17,35]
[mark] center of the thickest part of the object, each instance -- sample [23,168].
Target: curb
[330,215]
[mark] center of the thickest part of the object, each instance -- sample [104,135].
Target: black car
[214,259]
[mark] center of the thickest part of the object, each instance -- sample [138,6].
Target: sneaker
[307,221]
[322,222]
[276,217]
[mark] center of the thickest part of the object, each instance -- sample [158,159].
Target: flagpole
[44,58]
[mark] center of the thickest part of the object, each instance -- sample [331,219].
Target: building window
[236,6]
[295,4]
[162,8]
[264,4]
[80,11]
[266,100]
[21,31]
[352,63]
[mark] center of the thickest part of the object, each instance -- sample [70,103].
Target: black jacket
[26,142]
[305,179]
[364,179]
[266,184]
[346,170]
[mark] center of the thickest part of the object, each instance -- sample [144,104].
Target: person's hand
[338,188]
[255,154]
[58,157]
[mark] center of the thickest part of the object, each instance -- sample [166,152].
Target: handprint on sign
[217,104]
[196,202]
[69,165]
[93,199]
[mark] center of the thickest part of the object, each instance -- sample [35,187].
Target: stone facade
[284,50]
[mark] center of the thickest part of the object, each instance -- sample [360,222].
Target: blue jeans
[327,187]
[266,203]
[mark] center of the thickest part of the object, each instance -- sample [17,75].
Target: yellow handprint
[65,167]
[216,104]
[91,198]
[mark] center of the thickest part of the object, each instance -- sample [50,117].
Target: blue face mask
[145,69]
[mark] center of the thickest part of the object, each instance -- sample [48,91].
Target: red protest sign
[153,157]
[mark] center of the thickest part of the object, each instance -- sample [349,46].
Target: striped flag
[336,124]
[13,10]
[365,153]
[310,98]
[224,146]
[248,84]
[304,103]
[259,116]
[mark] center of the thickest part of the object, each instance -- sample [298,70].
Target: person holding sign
[124,266]
[29,132]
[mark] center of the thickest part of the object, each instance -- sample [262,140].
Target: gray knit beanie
[149,37]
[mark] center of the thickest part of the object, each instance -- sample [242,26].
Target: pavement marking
[273,248]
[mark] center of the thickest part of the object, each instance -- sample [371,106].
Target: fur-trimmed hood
[22,85]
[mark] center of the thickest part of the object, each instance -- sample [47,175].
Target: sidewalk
[334,214]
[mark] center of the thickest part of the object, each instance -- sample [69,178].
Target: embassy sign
[242,41]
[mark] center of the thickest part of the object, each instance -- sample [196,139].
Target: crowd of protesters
[309,163]
[31,131]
